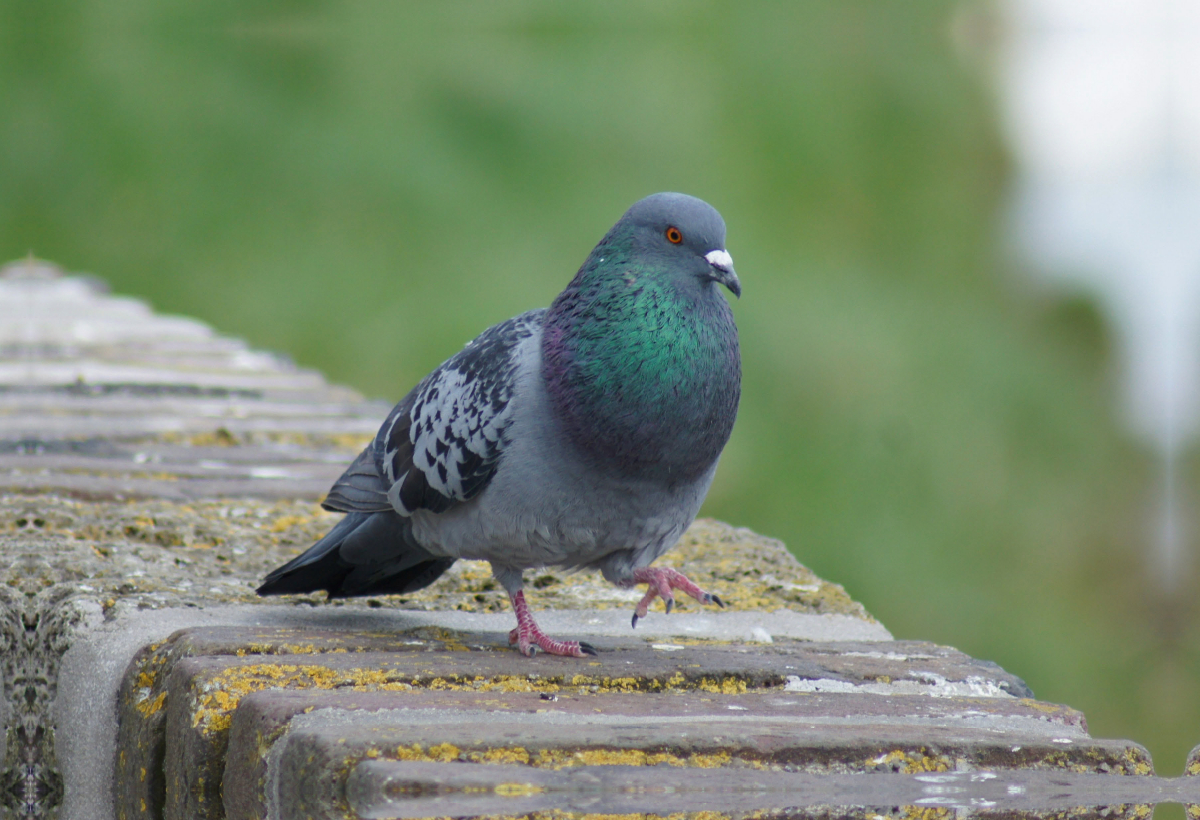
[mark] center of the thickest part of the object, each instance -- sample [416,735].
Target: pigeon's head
[684,234]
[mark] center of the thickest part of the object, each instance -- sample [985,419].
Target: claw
[587,649]
[633,625]
[661,581]
[530,640]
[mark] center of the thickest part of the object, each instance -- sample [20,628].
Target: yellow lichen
[286,522]
[517,789]
[561,758]
[411,753]
[149,707]
[220,696]
[443,752]
[908,763]
[726,686]
[1140,765]
[1048,708]
[928,813]
[511,683]
[504,754]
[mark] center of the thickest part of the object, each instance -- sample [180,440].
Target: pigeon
[580,436]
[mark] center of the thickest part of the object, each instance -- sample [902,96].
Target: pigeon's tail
[365,554]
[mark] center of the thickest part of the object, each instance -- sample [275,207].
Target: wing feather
[441,445]
[360,489]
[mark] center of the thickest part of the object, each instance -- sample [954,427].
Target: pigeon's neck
[642,369]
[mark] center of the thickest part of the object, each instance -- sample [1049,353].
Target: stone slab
[311,775]
[157,552]
[410,789]
[178,698]
[203,693]
[101,397]
[263,718]
[104,578]
[104,641]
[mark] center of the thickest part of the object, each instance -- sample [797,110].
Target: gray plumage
[502,453]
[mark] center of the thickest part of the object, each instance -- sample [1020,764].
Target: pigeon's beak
[722,267]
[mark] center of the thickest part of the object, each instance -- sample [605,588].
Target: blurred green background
[365,186]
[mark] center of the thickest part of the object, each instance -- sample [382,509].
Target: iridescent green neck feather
[641,361]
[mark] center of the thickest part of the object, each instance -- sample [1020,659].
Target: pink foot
[662,580]
[529,639]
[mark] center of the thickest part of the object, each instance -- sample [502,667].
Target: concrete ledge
[318,763]
[267,722]
[187,689]
[228,721]
[392,789]
[151,472]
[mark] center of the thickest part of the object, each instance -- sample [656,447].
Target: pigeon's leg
[529,638]
[662,580]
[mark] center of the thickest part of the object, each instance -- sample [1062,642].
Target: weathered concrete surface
[290,751]
[151,472]
[316,762]
[179,698]
[148,552]
[401,789]
[237,720]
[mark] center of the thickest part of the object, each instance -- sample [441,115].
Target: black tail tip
[276,583]
[286,585]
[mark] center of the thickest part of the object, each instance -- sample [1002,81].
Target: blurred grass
[366,186]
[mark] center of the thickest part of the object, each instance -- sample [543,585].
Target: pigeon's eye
[674,236]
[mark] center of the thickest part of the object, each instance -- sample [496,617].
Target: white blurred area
[1101,104]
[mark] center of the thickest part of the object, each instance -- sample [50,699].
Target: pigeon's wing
[360,489]
[441,445]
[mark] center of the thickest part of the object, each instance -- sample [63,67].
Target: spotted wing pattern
[441,445]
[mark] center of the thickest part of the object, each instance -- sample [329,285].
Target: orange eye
[674,236]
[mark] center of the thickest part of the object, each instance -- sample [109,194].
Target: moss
[155,553]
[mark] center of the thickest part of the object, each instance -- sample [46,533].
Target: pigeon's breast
[651,390]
